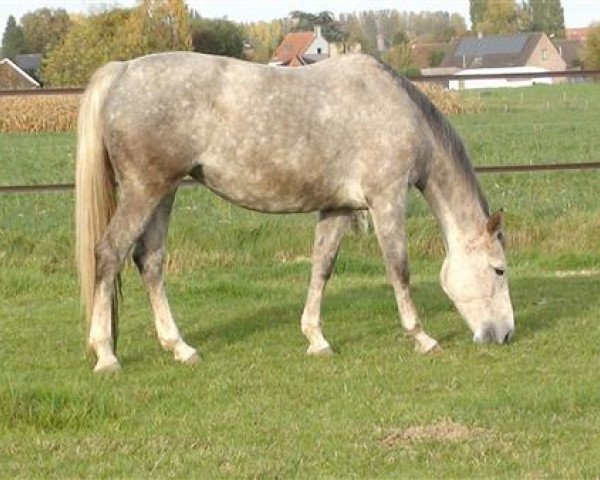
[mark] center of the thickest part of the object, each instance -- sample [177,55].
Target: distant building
[571,52]
[13,77]
[301,48]
[31,63]
[518,53]
[577,34]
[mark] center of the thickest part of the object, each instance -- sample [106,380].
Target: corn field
[58,113]
[44,113]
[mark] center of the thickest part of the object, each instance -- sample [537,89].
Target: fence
[546,166]
[568,74]
[555,167]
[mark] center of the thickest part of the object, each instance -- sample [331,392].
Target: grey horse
[339,136]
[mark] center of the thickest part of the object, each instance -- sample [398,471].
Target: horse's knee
[107,261]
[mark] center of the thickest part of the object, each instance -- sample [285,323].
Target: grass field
[256,406]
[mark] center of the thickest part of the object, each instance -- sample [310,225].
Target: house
[577,34]
[301,48]
[13,77]
[571,52]
[30,63]
[517,53]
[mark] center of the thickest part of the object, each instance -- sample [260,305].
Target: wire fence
[566,74]
[544,166]
[554,167]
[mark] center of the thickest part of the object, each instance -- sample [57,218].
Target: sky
[578,13]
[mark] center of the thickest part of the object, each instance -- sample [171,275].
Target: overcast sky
[578,13]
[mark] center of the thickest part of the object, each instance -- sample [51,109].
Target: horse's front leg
[331,227]
[149,256]
[389,222]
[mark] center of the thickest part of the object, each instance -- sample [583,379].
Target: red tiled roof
[293,46]
[577,33]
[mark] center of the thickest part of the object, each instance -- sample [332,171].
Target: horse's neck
[452,192]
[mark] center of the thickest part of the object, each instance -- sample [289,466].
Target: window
[544,54]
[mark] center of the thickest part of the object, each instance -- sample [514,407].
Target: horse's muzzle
[493,334]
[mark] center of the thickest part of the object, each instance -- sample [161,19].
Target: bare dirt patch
[445,431]
[577,273]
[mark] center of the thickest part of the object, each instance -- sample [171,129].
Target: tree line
[74,46]
[501,16]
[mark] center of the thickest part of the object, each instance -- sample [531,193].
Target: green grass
[256,406]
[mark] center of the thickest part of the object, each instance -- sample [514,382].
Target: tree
[477,12]
[501,18]
[332,30]
[13,42]
[524,17]
[88,45]
[157,26]
[435,57]
[458,26]
[119,34]
[591,52]
[547,16]
[264,38]
[44,28]
[217,37]
[400,55]
[302,21]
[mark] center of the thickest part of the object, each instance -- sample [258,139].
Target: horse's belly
[280,192]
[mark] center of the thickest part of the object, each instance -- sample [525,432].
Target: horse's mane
[442,129]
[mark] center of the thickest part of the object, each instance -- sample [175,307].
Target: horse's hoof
[431,349]
[109,367]
[435,350]
[193,359]
[320,352]
[183,353]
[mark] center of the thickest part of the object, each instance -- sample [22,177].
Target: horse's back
[273,139]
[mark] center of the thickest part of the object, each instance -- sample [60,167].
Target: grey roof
[495,51]
[571,51]
[493,45]
[30,62]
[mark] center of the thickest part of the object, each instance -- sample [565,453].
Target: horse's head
[475,279]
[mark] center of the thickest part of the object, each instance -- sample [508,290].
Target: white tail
[95,199]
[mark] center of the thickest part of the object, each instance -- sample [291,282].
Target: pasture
[256,406]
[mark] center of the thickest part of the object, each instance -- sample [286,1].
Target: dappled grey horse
[342,135]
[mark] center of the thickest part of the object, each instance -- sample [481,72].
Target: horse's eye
[499,271]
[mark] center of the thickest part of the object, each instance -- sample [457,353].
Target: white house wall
[318,43]
[469,84]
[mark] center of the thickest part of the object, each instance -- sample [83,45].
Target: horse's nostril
[508,336]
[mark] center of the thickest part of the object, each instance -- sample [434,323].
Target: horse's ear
[494,222]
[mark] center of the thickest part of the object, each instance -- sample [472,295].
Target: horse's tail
[95,195]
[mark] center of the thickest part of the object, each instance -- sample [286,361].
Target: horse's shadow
[540,303]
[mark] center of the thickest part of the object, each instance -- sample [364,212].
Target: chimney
[318,30]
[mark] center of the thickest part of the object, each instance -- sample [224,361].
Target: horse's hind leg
[149,256]
[330,230]
[389,221]
[128,222]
